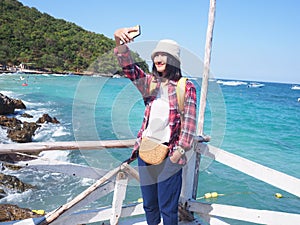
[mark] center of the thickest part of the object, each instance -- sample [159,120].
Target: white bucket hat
[168,46]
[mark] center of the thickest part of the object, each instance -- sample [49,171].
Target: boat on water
[255,85]
[295,87]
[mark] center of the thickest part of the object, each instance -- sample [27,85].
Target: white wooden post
[204,87]
[119,196]
[191,170]
[207,57]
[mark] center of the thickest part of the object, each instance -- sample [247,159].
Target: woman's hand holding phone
[126,35]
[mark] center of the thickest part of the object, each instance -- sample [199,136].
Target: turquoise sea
[260,124]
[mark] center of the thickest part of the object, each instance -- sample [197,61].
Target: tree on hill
[29,36]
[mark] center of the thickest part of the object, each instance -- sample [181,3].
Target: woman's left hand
[175,157]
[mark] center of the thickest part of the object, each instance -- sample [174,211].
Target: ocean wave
[60,75]
[231,83]
[3,137]
[16,197]
[11,94]
[7,93]
[45,75]
[49,131]
[55,155]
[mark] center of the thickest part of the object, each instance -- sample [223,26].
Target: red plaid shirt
[181,135]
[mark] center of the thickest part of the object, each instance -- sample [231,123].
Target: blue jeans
[161,187]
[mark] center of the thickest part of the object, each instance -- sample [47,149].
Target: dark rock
[26,115]
[23,134]
[47,119]
[2,193]
[8,105]
[10,166]
[10,122]
[12,212]
[13,183]
[15,157]
[18,131]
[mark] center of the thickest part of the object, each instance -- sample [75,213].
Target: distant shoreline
[27,71]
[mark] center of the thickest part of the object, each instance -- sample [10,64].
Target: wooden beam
[119,196]
[102,215]
[263,173]
[67,145]
[206,71]
[50,217]
[71,169]
[98,193]
[244,214]
[188,172]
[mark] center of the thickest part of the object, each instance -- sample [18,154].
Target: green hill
[44,42]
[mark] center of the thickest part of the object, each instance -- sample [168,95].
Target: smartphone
[134,34]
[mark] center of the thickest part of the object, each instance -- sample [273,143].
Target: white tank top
[158,125]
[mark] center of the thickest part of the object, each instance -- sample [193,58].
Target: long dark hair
[172,69]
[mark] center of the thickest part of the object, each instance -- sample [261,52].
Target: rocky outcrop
[2,193]
[47,119]
[17,130]
[10,212]
[23,134]
[26,115]
[8,105]
[15,157]
[14,184]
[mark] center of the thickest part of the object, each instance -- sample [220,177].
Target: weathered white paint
[34,147]
[50,217]
[206,71]
[268,175]
[188,175]
[98,193]
[245,214]
[119,196]
[71,169]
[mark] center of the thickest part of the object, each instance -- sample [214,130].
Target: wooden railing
[120,175]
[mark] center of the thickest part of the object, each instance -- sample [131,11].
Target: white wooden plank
[119,196]
[244,214]
[212,220]
[188,173]
[71,145]
[206,69]
[132,210]
[216,221]
[84,217]
[263,173]
[101,215]
[30,221]
[98,193]
[131,215]
[50,217]
[64,167]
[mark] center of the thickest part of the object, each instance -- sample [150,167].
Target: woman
[160,184]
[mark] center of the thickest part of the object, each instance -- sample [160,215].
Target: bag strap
[180,92]
[152,86]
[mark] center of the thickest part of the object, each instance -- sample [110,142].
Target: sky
[253,40]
